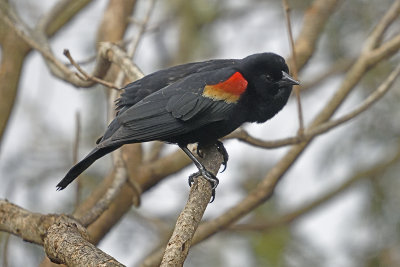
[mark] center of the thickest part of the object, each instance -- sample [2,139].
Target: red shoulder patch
[229,90]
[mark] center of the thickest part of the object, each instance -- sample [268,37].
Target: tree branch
[189,219]
[63,238]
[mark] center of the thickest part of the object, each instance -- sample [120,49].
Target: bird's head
[267,74]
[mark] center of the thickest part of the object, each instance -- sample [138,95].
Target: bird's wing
[177,109]
[138,90]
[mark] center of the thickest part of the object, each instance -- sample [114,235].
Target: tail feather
[81,166]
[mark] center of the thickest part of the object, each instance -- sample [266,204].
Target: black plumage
[172,105]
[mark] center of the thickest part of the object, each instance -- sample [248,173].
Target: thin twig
[293,66]
[87,76]
[75,156]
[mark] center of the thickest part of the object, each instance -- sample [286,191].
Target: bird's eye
[268,77]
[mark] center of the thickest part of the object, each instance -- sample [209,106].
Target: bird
[197,102]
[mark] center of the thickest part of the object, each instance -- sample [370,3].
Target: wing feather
[177,109]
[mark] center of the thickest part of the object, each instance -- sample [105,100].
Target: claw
[199,152]
[212,196]
[209,177]
[192,177]
[222,150]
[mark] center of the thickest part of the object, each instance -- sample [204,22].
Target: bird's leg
[202,172]
[224,153]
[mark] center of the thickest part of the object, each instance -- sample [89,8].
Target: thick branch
[63,238]
[67,242]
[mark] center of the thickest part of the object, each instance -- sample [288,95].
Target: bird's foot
[221,149]
[224,153]
[209,177]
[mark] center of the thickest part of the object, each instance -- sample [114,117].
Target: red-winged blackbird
[194,103]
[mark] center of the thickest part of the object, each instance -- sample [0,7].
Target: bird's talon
[199,152]
[192,177]
[212,196]
[224,153]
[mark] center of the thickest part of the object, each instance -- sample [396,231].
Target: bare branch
[48,230]
[189,219]
[63,238]
[67,242]
[86,76]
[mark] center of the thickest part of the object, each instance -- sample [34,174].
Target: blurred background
[347,179]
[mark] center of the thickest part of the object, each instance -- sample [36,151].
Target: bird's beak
[287,80]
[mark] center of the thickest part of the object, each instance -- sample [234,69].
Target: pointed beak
[287,80]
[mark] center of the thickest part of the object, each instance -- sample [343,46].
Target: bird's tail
[76,170]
